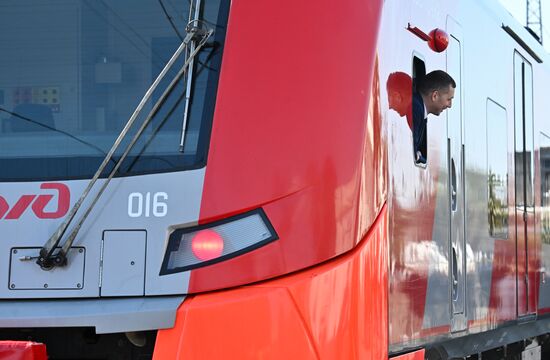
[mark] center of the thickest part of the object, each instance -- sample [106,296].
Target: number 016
[144,204]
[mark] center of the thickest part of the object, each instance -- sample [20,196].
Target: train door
[455,161]
[524,195]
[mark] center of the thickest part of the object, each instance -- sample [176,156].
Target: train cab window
[497,170]
[545,187]
[76,94]
[420,133]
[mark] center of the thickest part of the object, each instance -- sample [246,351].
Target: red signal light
[204,245]
[439,40]
[207,245]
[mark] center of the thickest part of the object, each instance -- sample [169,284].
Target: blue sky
[518,9]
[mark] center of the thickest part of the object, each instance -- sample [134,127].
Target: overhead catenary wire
[534,18]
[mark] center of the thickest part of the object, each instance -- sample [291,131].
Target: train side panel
[429,298]
[417,200]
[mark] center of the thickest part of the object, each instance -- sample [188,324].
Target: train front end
[197,179]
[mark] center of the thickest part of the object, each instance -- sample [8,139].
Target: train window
[545,187]
[524,143]
[73,72]
[419,140]
[497,170]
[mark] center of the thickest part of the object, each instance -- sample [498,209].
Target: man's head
[437,90]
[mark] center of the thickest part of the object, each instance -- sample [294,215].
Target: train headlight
[207,244]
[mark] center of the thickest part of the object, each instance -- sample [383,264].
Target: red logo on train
[38,203]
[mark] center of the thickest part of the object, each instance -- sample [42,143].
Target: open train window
[420,129]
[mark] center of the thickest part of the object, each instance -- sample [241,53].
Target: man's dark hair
[436,80]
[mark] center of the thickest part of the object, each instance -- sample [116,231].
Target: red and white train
[270,206]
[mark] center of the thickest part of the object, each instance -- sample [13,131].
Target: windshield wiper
[196,22]
[47,259]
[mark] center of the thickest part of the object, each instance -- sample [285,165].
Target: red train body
[369,255]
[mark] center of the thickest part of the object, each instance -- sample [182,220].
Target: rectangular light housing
[207,244]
